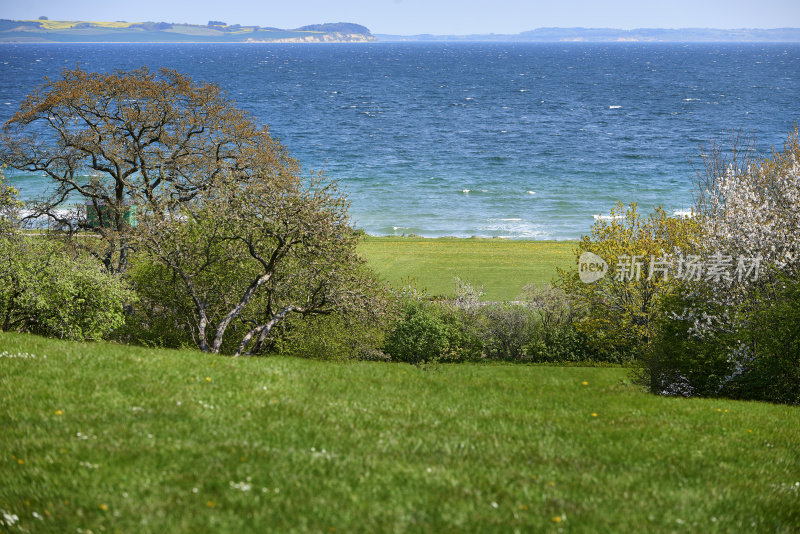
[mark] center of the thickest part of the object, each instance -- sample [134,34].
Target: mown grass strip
[502,267]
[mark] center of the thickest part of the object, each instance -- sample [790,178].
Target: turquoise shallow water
[513,140]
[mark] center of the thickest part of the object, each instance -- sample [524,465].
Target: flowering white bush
[753,208]
[731,335]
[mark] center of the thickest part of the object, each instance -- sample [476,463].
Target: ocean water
[513,140]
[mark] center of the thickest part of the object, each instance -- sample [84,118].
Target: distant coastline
[612,35]
[53,31]
[58,31]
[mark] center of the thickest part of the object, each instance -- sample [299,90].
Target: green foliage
[618,310]
[335,336]
[507,328]
[729,335]
[756,356]
[771,371]
[9,204]
[680,362]
[422,335]
[554,336]
[46,290]
[541,328]
[162,316]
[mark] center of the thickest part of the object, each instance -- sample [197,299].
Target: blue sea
[512,140]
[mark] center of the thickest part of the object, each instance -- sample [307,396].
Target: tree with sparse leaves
[130,141]
[246,255]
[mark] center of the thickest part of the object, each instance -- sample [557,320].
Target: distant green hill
[59,31]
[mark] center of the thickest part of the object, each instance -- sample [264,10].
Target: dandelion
[59,412]
[584,383]
[208,379]
[594,414]
[104,507]
[556,519]
[20,461]
[211,504]
[523,507]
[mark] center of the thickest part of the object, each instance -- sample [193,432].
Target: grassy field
[502,266]
[110,438]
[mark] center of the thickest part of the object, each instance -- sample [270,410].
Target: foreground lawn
[116,439]
[502,266]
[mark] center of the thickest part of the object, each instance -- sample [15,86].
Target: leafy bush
[541,328]
[770,369]
[166,316]
[162,316]
[421,336]
[336,336]
[46,291]
[753,352]
[731,335]
[617,312]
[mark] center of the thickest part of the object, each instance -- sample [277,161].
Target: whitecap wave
[514,228]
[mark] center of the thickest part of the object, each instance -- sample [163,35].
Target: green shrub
[619,309]
[48,291]
[421,336]
[756,356]
[771,369]
[336,336]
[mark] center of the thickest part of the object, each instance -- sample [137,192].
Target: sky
[409,17]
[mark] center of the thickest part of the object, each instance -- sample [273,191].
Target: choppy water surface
[514,140]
